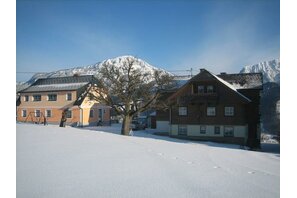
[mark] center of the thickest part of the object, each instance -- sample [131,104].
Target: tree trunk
[126,125]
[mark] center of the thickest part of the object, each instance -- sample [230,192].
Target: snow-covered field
[97,162]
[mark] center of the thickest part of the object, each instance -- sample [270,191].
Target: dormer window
[210,89]
[200,89]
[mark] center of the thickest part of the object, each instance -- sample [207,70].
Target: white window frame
[46,114]
[182,111]
[48,97]
[25,96]
[35,113]
[229,111]
[208,89]
[211,111]
[200,86]
[219,132]
[182,130]
[67,98]
[70,114]
[202,127]
[33,99]
[24,114]
[228,131]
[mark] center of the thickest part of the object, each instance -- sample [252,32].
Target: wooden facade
[208,107]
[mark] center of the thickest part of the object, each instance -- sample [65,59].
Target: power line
[21,72]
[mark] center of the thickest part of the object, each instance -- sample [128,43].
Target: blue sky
[219,35]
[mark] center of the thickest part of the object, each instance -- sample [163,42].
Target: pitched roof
[244,81]
[231,87]
[60,83]
[232,81]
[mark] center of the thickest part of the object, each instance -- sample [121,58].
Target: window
[210,89]
[217,130]
[37,113]
[200,89]
[182,111]
[202,129]
[24,113]
[69,114]
[48,113]
[91,113]
[182,129]
[228,131]
[26,98]
[100,114]
[52,97]
[229,111]
[69,96]
[211,111]
[36,98]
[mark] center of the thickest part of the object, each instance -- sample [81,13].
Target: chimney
[202,70]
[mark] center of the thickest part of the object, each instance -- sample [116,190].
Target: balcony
[198,98]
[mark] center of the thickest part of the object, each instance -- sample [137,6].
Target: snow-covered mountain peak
[269,69]
[138,63]
[93,69]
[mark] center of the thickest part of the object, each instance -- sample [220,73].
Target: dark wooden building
[223,108]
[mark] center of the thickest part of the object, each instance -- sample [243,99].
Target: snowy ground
[97,162]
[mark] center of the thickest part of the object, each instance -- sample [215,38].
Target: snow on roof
[244,81]
[230,86]
[55,87]
[153,114]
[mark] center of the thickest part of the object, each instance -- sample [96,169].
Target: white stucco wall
[194,130]
[162,126]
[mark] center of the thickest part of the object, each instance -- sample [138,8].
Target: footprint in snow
[216,167]
[190,162]
[251,172]
[175,158]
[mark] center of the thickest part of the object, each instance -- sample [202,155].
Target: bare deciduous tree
[129,90]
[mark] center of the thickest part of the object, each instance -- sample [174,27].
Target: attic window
[200,89]
[210,89]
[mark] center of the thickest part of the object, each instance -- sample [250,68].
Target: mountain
[93,69]
[269,69]
[270,99]
[270,114]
